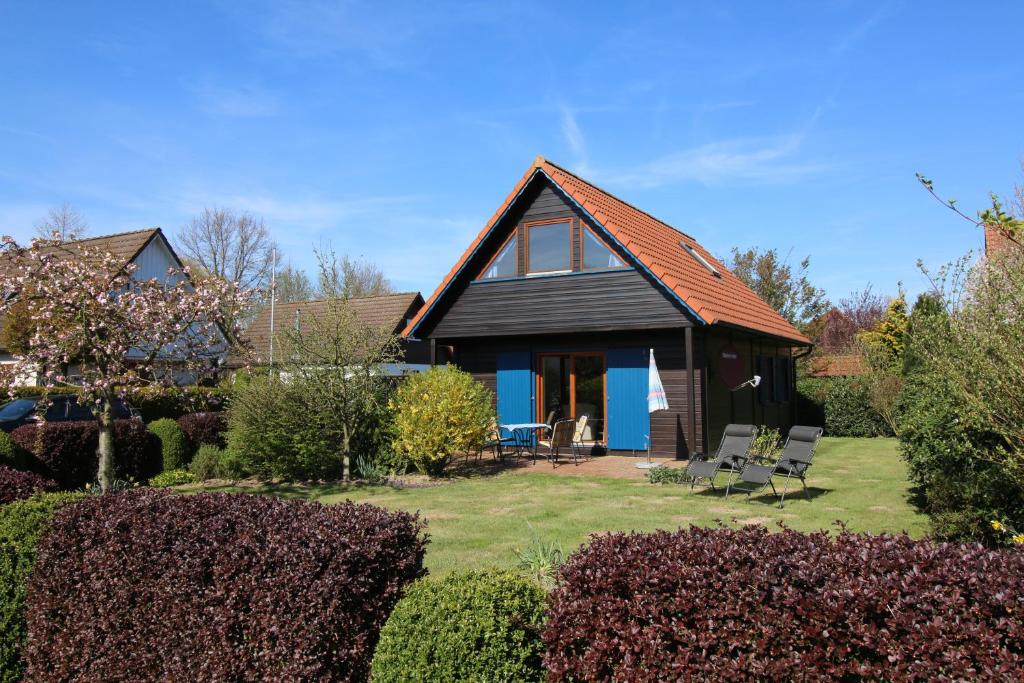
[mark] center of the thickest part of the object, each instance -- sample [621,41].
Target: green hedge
[169,478]
[21,525]
[11,454]
[472,626]
[154,403]
[174,446]
[839,404]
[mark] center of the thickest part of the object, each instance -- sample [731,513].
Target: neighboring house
[997,241]
[557,302]
[391,311]
[147,249]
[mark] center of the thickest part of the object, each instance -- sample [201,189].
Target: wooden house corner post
[691,394]
[433,352]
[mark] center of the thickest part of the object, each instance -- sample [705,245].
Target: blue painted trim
[612,237]
[543,276]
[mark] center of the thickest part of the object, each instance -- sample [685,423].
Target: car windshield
[17,409]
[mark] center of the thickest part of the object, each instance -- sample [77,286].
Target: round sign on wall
[730,367]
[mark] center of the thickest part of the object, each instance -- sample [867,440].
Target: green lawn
[481,521]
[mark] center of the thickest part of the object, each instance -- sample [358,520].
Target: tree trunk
[105,450]
[346,465]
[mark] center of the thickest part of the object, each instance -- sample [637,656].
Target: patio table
[522,432]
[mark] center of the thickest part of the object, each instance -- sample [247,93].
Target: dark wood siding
[743,406]
[668,428]
[470,307]
[584,302]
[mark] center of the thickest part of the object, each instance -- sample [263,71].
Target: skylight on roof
[700,259]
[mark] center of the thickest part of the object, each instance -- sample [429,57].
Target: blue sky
[393,130]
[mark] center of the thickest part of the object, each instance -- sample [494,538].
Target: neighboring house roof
[722,298]
[125,246]
[391,311]
[838,365]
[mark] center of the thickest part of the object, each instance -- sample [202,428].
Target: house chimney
[996,241]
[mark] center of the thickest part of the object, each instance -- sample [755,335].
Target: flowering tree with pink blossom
[86,311]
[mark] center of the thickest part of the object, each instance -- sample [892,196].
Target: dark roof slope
[721,298]
[391,311]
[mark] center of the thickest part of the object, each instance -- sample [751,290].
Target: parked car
[62,408]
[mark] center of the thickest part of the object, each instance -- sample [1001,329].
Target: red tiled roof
[723,299]
[386,310]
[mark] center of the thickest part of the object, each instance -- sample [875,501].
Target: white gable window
[597,255]
[504,264]
[548,247]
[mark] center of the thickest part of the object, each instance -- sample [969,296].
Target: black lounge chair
[793,462]
[732,454]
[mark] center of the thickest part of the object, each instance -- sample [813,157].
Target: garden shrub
[810,397]
[215,587]
[66,451]
[211,462]
[21,524]
[11,454]
[472,626]
[15,484]
[439,413]
[204,428]
[749,605]
[174,447]
[848,410]
[172,478]
[667,475]
[280,430]
[961,414]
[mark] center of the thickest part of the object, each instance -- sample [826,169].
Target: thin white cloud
[859,31]
[239,101]
[755,160]
[574,138]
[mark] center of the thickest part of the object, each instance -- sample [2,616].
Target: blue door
[629,422]
[515,387]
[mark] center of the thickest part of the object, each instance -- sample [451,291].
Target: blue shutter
[515,387]
[628,419]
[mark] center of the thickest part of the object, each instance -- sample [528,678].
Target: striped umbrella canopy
[656,399]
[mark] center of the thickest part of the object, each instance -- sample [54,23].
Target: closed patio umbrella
[656,400]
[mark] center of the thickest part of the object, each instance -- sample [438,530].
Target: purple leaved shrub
[18,485]
[215,587]
[749,605]
[204,428]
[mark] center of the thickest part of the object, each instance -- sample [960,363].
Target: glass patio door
[571,385]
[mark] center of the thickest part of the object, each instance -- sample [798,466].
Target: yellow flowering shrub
[439,413]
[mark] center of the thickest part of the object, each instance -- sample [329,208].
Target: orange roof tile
[722,298]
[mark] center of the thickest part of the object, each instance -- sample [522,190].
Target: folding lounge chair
[792,463]
[561,439]
[732,454]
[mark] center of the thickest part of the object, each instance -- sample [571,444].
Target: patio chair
[793,462]
[578,436]
[497,442]
[561,439]
[732,455]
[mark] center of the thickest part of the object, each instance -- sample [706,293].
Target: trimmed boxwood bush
[749,605]
[11,454]
[215,587]
[16,485]
[204,428]
[473,626]
[21,524]
[174,448]
[66,451]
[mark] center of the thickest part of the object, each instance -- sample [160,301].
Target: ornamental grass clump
[472,626]
[215,587]
[439,413]
[749,605]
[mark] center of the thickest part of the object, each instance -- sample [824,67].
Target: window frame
[583,253]
[568,222]
[483,271]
